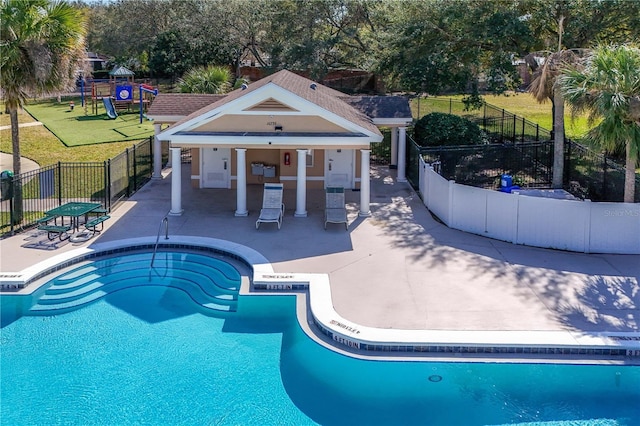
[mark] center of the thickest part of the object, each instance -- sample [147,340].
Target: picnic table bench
[99,211]
[73,210]
[53,231]
[46,219]
[93,223]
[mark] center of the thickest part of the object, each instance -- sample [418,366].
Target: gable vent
[270,105]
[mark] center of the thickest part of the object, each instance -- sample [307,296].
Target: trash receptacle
[506,181]
[6,185]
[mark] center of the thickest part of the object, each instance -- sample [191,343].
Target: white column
[402,154]
[157,153]
[301,184]
[170,160]
[365,183]
[394,148]
[241,180]
[176,183]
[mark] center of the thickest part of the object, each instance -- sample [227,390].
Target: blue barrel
[506,181]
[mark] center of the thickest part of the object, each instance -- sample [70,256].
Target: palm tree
[606,85]
[209,79]
[41,43]
[543,87]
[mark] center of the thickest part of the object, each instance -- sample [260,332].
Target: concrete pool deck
[398,269]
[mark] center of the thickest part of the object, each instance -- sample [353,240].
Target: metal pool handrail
[165,222]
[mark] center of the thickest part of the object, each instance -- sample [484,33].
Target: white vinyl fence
[581,226]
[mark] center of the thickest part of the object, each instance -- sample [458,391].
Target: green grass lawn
[524,105]
[79,127]
[43,147]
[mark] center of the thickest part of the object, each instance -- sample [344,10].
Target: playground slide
[108,105]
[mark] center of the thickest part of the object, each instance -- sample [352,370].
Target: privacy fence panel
[438,195]
[615,227]
[580,226]
[501,216]
[547,222]
[469,209]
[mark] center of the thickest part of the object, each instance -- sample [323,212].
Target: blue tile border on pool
[355,339]
[623,347]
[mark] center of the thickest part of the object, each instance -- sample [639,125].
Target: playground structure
[118,93]
[108,105]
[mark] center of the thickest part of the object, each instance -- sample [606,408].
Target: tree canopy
[429,46]
[438,129]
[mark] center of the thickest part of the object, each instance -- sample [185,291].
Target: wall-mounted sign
[124,93]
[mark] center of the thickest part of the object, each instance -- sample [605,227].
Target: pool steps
[176,273]
[212,289]
[61,307]
[61,303]
[222,271]
[340,334]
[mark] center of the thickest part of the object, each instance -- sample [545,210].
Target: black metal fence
[105,182]
[381,151]
[522,149]
[530,164]
[588,174]
[501,126]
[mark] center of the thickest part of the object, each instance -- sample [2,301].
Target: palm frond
[607,85]
[210,79]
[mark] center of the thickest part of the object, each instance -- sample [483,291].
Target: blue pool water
[169,347]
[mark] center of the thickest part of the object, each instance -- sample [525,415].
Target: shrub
[437,129]
[210,79]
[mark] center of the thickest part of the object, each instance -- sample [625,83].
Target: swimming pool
[158,349]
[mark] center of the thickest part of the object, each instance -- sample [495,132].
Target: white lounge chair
[335,210]
[272,205]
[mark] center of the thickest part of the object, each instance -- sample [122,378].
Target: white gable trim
[272,142]
[392,122]
[167,118]
[241,105]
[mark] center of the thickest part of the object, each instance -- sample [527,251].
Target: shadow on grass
[92,117]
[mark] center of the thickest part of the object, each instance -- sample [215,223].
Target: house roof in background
[381,106]
[96,57]
[180,105]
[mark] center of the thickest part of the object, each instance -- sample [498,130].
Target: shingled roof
[357,109]
[381,106]
[180,104]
